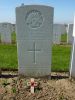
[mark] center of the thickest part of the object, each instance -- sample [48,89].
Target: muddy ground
[59,87]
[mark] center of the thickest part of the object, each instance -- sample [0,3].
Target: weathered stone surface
[5,32]
[34,39]
[56,33]
[58,29]
[72,69]
[13,27]
[70,34]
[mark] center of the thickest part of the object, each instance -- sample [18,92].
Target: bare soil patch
[59,87]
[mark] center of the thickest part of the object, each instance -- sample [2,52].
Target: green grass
[64,37]
[8,56]
[60,57]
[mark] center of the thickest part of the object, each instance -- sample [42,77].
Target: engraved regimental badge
[34,19]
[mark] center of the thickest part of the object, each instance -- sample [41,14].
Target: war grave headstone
[5,32]
[57,33]
[72,68]
[66,26]
[70,34]
[63,29]
[13,27]
[34,26]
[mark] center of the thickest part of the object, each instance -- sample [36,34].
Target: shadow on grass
[8,76]
[59,77]
[52,77]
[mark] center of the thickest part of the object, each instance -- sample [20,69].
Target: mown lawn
[60,57]
[8,56]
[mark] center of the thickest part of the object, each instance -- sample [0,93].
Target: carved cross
[34,50]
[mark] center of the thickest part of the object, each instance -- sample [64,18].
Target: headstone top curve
[47,6]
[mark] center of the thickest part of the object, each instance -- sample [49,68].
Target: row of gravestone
[6,29]
[62,29]
[34,25]
[58,29]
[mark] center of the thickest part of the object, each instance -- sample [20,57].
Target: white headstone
[74,28]
[72,69]
[56,33]
[5,32]
[70,34]
[34,39]
[13,27]
[63,29]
